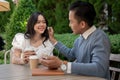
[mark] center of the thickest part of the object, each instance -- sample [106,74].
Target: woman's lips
[41,29]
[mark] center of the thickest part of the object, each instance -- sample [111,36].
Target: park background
[56,11]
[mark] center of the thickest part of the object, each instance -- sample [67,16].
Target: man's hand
[51,62]
[51,35]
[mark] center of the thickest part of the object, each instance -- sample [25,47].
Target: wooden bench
[115,68]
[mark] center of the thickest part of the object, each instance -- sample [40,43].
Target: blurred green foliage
[115,43]
[18,20]
[5,16]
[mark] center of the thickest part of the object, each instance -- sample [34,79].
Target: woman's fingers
[26,60]
[29,53]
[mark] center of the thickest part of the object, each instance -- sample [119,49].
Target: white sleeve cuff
[69,67]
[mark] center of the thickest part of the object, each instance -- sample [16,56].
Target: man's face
[74,24]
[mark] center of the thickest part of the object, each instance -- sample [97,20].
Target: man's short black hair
[83,11]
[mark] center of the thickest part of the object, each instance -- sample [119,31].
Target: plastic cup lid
[33,57]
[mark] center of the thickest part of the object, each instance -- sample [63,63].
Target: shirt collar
[88,32]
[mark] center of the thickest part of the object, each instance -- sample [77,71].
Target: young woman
[35,41]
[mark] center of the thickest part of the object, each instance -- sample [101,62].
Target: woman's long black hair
[30,32]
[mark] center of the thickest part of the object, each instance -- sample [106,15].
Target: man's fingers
[50,29]
[45,62]
[51,62]
[49,57]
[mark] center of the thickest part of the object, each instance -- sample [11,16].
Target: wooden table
[22,72]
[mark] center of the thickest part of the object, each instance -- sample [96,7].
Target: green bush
[115,43]
[5,15]
[18,20]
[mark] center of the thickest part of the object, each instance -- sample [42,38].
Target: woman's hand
[26,55]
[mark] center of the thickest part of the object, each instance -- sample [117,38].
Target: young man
[90,53]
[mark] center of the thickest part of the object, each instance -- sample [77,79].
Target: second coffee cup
[33,62]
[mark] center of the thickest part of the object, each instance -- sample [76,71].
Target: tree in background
[114,16]
[108,15]
[18,19]
[5,15]
[102,14]
[57,13]
[48,8]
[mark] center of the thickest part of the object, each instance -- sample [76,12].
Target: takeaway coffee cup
[33,61]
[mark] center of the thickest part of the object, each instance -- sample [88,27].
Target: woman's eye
[38,21]
[44,21]
[41,21]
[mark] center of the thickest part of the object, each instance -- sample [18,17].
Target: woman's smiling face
[40,25]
